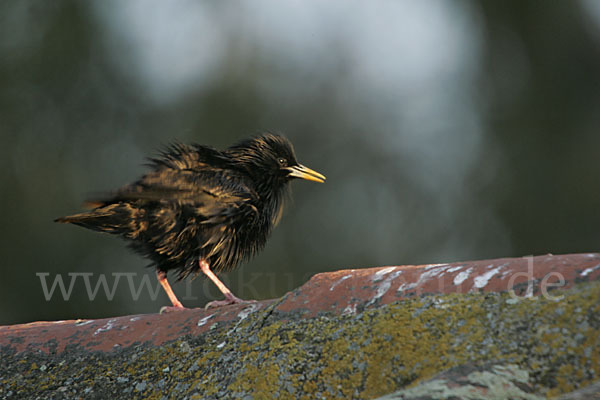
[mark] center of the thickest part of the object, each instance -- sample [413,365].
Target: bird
[199,210]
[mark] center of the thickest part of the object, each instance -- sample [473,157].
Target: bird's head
[272,156]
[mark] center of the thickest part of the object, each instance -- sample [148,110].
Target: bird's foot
[229,300]
[168,309]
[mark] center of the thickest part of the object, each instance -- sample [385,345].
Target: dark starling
[200,209]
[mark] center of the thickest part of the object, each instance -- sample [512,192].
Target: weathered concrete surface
[472,382]
[348,334]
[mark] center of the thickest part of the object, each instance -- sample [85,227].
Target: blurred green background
[447,130]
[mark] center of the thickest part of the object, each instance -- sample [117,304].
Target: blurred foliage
[486,148]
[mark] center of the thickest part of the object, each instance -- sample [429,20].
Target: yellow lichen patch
[401,347]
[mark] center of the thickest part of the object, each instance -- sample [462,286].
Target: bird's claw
[168,309]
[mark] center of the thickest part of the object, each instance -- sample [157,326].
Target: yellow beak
[300,171]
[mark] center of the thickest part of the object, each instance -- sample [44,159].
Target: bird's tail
[112,218]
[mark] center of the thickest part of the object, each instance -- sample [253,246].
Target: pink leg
[162,278]
[230,298]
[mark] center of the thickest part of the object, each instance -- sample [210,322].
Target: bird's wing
[193,177]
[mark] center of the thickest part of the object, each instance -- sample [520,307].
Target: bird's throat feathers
[274,199]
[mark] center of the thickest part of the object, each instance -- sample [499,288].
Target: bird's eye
[282,161]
